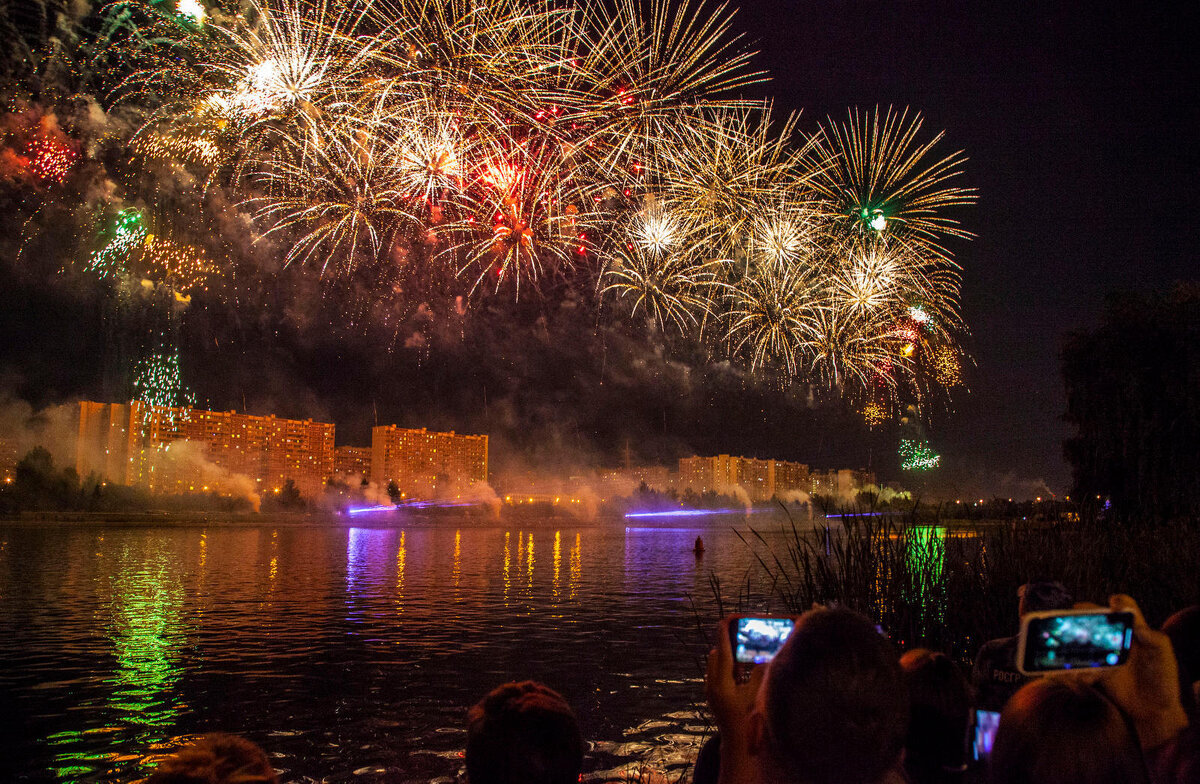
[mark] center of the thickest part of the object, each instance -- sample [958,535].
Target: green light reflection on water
[144,625]
[925,557]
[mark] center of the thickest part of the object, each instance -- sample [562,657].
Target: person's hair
[215,759]
[939,715]
[523,733]
[835,704]
[1062,731]
[1040,597]
[1184,630]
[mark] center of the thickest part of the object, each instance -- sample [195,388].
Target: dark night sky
[1081,127]
[1081,124]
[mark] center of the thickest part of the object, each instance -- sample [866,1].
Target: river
[351,652]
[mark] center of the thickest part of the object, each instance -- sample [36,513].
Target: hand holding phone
[757,640]
[1064,640]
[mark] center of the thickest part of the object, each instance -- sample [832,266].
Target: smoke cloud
[188,461]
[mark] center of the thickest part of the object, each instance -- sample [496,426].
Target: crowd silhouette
[840,704]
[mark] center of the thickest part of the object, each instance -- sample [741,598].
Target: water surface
[351,653]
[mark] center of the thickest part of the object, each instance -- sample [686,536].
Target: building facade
[762,479]
[704,474]
[175,450]
[352,461]
[840,484]
[426,464]
[790,477]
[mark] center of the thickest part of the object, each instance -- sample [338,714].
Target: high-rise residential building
[757,476]
[790,477]
[352,461]
[702,474]
[762,479]
[190,450]
[426,464]
[840,484]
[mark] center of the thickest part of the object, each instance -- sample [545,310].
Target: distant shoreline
[397,520]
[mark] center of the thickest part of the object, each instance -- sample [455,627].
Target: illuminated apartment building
[758,477]
[840,484]
[702,474]
[425,464]
[762,479]
[139,444]
[790,476]
[352,461]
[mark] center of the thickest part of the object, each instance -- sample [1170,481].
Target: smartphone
[757,640]
[1060,640]
[986,724]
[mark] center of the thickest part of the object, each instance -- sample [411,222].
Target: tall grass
[950,587]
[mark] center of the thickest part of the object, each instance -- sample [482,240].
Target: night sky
[1080,124]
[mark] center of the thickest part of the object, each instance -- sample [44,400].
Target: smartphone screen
[757,640]
[1077,641]
[986,724]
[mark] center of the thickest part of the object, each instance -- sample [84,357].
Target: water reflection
[576,568]
[557,558]
[274,557]
[401,556]
[367,552]
[529,563]
[144,626]
[507,568]
[456,572]
[927,559]
[670,547]
[338,649]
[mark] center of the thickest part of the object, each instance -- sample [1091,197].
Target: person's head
[833,708]
[940,704]
[1040,597]
[1063,731]
[215,759]
[523,733]
[1184,630]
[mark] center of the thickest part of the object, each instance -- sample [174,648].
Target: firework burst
[459,147]
[182,267]
[342,202]
[882,182]
[124,235]
[532,218]
[770,318]
[671,288]
[50,160]
[646,67]
[848,350]
[730,172]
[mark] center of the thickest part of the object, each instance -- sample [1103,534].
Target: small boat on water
[699,548]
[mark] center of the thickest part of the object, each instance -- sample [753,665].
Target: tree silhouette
[1133,396]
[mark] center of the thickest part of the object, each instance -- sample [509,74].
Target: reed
[950,586]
